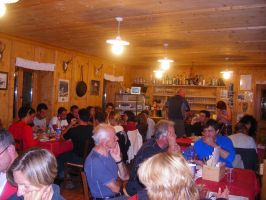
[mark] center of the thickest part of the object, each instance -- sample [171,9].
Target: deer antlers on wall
[97,69]
[66,63]
[2,49]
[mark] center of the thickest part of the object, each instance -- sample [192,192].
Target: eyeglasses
[4,150]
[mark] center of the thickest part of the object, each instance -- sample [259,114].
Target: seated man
[165,140]
[73,113]
[197,123]
[79,134]
[40,119]
[59,121]
[22,130]
[7,155]
[104,166]
[212,139]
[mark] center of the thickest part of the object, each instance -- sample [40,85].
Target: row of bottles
[181,80]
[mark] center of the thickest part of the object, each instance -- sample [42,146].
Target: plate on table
[44,140]
[212,196]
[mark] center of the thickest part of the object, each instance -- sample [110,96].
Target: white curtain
[30,64]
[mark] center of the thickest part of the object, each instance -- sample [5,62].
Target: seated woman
[34,172]
[241,139]
[123,141]
[91,113]
[142,125]
[129,121]
[175,183]
[22,130]
[212,139]
[251,124]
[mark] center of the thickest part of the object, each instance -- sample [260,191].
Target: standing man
[7,156]
[165,140]
[176,109]
[39,120]
[104,166]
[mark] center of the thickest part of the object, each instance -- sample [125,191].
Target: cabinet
[133,102]
[198,97]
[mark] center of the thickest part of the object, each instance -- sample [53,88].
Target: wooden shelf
[194,86]
[170,95]
[202,103]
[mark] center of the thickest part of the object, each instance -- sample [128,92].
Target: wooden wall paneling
[6,103]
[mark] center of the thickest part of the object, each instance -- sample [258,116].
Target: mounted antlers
[2,49]
[66,63]
[97,69]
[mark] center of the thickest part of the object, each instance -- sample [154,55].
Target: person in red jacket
[7,156]
[21,130]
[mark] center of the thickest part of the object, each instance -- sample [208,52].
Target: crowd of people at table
[109,145]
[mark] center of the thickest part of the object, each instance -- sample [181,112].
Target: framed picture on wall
[3,80]
[95,88]
[63,90]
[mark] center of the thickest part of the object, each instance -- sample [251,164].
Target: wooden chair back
[86,192]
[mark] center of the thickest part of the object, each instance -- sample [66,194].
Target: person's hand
[44,193]
[48,193]
[224,194]
[115,153]
[210,141]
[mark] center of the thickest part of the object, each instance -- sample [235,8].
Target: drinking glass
[230,175]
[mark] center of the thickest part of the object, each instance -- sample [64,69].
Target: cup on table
[193,168]
[230,175]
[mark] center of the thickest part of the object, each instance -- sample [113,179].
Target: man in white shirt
[59,121]
[7,156]
[40,118]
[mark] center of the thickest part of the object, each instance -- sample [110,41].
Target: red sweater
[7,191]
[21,131]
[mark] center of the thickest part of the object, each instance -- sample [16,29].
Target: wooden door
[110,88]
[24,89]
[260,109]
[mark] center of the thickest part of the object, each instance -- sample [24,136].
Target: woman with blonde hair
[34,172]
[168,177]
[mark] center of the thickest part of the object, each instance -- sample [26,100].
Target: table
[57,147]
[245,184]
[184,141]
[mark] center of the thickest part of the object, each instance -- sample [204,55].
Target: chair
[86,192]
[75,168]
[249,157]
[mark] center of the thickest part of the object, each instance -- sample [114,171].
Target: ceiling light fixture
[2,9]
[3,6]
[226,73]
[158,73]
[165,62]
[117,43]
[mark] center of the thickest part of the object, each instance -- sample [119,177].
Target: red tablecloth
[57,147]
[245,184]
[184,141]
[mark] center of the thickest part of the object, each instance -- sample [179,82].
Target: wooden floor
[73,194]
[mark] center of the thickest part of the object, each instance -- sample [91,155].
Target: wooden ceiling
[205,32]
